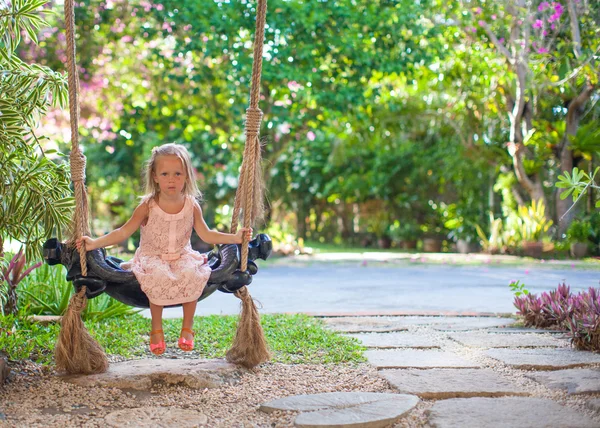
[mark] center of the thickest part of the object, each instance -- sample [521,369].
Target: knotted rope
[250,346]
[76,351]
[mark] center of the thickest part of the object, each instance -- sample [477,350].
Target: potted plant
[578,236]
[464,233]
[405,234]
[532,225]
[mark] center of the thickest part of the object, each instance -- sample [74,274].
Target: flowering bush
[579,314]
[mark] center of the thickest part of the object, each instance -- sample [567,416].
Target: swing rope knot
[253,120]
[78,162]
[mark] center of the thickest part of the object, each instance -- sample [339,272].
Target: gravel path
[35,397]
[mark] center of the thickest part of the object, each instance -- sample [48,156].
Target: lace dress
[169,271]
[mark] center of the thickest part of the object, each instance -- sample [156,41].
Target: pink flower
[543,6]
[481,23]
[311,136]
[542,50]
[493,17]
[478,11]
[554,17]
[538,23]
[558,7]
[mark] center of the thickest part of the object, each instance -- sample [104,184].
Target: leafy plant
[35,200]
[12,274]
[518,288]
[579,231]
[579,314]
[47,292]
[533,222]
[577,184]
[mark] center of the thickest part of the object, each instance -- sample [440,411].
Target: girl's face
[169,174]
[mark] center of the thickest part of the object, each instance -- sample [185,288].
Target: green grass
[297,339]
[320,247]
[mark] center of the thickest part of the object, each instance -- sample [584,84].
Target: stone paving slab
[395,340]
[573,381]
[156,417]
[506,412]
[517,340]
[451,383]
[389,324]
[144,374]
[510,330]
[412,358]
[471,323]
[543,358]
[345,409]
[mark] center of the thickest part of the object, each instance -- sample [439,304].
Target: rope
[249,346]
[77,158]
[76,351]
[248,198]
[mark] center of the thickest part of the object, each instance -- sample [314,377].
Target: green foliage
[518,288]
[579,231]
[35,199]
[297,339]
[47,292]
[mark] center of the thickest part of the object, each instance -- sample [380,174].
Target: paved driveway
[352,287]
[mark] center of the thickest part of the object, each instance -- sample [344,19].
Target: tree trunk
[564,217]
[301,221]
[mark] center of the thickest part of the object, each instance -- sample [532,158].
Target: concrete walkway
[397,282]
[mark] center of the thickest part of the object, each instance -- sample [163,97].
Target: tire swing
[94,273]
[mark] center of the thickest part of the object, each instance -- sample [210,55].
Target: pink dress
[169,271]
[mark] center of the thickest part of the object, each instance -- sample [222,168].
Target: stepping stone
[517,340]
[365,324]
[401,323]
[451,383]
[507,412]
[156,417]
[144,374]
[412,358]
[510,330]
[471,323]
[594,404]
[573,381]
[395,340]
[544,359]
[345,409]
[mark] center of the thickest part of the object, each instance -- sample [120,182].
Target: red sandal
[160,347]
[185,344]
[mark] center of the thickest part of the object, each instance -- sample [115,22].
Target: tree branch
[574,28]
[501,48]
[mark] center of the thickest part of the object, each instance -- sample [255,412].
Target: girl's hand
[89,243]
[243,231]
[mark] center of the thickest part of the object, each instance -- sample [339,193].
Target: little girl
[169,271]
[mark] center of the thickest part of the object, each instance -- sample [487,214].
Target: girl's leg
[156,313]
[189,309]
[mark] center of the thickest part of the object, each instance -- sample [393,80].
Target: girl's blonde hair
[190,188]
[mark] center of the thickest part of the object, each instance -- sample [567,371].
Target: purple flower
[538,23]
[542,50]
[543,6]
